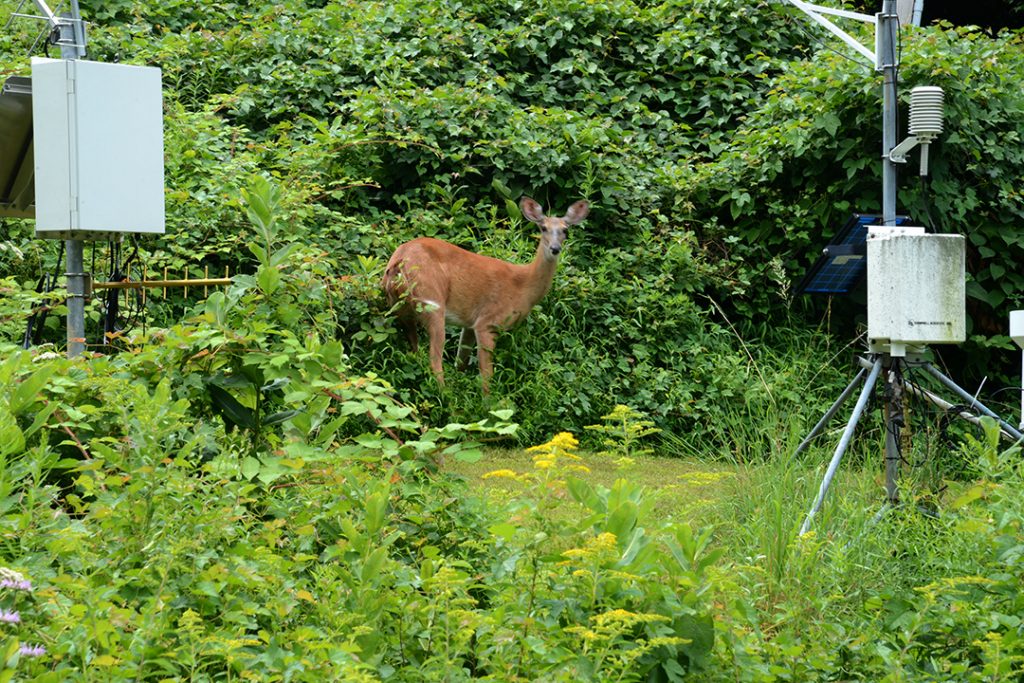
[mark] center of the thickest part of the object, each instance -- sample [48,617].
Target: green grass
[754,508]
[699,492]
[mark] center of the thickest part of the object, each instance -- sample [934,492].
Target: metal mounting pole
[71,37]
[888,25]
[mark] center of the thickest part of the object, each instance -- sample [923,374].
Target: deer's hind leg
[467,340]
[407,325]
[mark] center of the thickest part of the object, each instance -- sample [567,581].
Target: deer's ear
[577,212]
[531,210]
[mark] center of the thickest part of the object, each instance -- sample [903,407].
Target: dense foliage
[692,127]
[717,156]
[253,484]
[158,533]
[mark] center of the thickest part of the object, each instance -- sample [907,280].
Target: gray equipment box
[98,138]
[916,289]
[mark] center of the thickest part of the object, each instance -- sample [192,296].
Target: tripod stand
[896,388]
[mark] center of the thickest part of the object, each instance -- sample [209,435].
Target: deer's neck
[542,272]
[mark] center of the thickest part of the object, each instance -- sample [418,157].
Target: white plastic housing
[98,138]
[926,112]
[916,289]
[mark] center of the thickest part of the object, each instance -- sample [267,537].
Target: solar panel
[843,263]
[17,173]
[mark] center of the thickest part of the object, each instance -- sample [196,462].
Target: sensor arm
[898,154]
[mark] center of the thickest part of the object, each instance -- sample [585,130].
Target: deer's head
[553,230]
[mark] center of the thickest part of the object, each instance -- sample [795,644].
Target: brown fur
[440,282]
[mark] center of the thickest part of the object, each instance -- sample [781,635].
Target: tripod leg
[972,401]
[830,413]
[844,442]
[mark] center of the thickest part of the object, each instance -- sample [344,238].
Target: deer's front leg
[435,328]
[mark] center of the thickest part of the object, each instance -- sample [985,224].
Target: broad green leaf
[282,254]
[282,416]
[469,455]
[426,569]
[274,385]
[969,496]
[41,417]
[376,508]
[373,564]
[622,520]
[233,412]
[585,494]
[504,530]
[272,469]
[250,467]
[10,366]
[268,278]
[12,440]
[259,252]
[28,389]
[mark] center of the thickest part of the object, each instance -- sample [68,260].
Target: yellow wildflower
[604,541]
[500,474]
[565,440]
[562,441]
[624,618]
[705,478]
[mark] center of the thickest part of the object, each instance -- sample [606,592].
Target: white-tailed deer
[441,283]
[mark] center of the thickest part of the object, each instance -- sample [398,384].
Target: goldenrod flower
[500,474]
[564,441]
[624,618]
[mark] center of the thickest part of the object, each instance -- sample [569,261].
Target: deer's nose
[556,250]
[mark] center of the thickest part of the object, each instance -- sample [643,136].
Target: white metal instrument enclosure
[99,158]
[916,289]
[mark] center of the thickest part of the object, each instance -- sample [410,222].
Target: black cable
[36,321]
[112,299]
[923,424]
[119,316]
[138,312]
[132,307]
[949,416]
